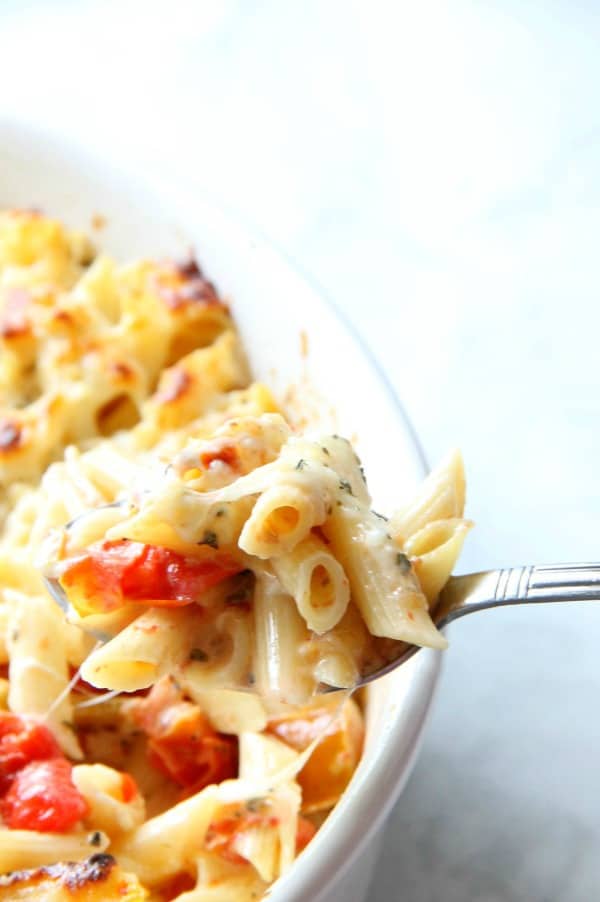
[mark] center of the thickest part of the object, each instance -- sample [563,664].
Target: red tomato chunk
[22,740]
[182,744]
[112,573]
[191,753]
[43,797]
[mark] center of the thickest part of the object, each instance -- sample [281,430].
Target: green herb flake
[95,838]
[197,654]
[221,512]
[325,450]
[210,538]
[301,464]
[380,516]
[345,486]
[403,562]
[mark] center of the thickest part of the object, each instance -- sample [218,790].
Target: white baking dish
[273,305]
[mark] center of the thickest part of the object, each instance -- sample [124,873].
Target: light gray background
[435,166]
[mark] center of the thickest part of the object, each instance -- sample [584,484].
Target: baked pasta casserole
[168,736]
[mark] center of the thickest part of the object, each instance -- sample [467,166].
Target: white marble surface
[435,166]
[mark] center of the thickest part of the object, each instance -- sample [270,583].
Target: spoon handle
[517,585]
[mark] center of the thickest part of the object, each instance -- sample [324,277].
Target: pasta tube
[434,551]
[115,805]
[157,642]
[280,635]
[440,497]
[280,519]
[316,581]
[20,849]
[383,585]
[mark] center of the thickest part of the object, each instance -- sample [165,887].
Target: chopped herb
[255,805]
[362,473]
[325,450]
[402,561]
[95,838]
[221,512]
[338,503]
[210,538]
[197,654]
[345,486]
[381,517]
[329,510]
[301,464]
[251,679]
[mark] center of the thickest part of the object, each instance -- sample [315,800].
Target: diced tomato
[43,797]
[181,742]
[22,740]
[109,574]
[304,833]
[190,752]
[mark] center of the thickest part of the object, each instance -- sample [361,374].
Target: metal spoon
[473,592]
[467,594]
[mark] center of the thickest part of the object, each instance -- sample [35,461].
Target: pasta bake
[231,566]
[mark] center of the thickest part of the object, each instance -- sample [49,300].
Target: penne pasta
[317,583]
[21,849]
[280,668]
[382,583]
[434,551]
[440,497]
[281,518]
[115,805]
[155,644]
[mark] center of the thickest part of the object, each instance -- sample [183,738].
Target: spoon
[473,592]
[464,595]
